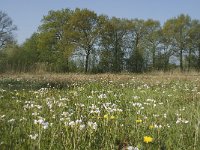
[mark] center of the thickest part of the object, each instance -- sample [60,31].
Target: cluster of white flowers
[137,104]
[29,105]
[102,96]
[74,123]
[146,86]
[92,125]
[43,91]
[157,126]
[109,107]
[41,121]
[181,120]
[132,148]
[78,124]
[94,109]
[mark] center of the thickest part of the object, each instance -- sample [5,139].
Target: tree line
[81,41]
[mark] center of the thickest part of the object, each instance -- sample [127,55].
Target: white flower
[137,104]
[23,119]
[45,125]
[78,121]
[40,121]
[102,96]
[33,137]
[150,100]
[3,116]
[34,114]
[157,126]
[82,126]
[135,97]
[38,106]
[93,125]
[132,148]
[11,120]
[71,123]
[185,121]
[89,97]
[156,115]
[35,121]
[180,120]
[165,115]
[95,111]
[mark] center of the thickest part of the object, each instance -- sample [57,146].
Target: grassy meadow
[100,112]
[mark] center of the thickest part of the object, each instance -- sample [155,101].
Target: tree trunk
[136,54]
[181,51]
[87,58]
[87,61]
[116,65]
[154,57]
[181,59]
[189,59]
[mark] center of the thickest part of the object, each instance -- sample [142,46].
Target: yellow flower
[148,139]
[151,127]
[105,116]
[112,117]
[138,121]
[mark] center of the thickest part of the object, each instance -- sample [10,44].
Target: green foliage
[83,32]
[81,41]
[138,31]
[6,30]
[112,44]
[178,30]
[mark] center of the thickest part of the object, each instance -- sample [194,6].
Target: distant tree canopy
[81,41]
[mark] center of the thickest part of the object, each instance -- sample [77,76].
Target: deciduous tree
[6,29]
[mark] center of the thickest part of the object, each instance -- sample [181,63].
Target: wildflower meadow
[100,112]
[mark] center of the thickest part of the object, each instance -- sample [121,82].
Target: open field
[105,111]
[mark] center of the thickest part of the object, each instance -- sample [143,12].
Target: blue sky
[27,14]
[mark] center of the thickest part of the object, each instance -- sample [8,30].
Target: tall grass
[76,112]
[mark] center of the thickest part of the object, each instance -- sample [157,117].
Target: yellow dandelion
[105,116]
[138,121]
[151,127]
[112,117]
[148,139]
